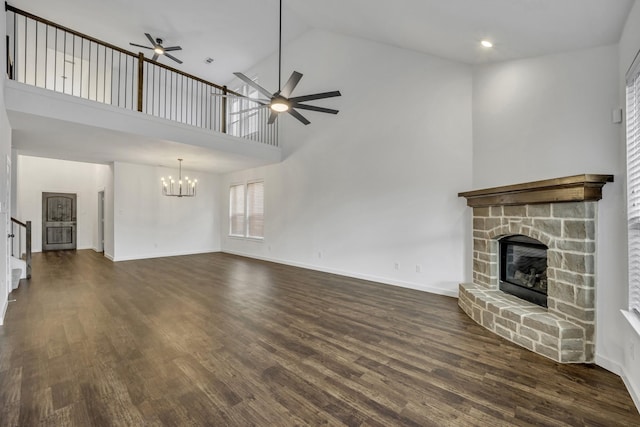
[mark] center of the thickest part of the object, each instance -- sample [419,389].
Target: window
[255,210]
[246,210]
[236,210]
[633,183]
[241,122]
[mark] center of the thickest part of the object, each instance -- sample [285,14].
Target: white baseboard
[161,255]
[4,311]
[108,256]
[371,278]
[608,364]
[633,390]
[615,368]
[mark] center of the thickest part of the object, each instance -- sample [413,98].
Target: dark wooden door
[58,221]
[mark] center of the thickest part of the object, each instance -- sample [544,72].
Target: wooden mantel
[577,188]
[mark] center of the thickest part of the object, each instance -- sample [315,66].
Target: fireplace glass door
[523,268]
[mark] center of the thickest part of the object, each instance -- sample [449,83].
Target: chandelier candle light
[186,188]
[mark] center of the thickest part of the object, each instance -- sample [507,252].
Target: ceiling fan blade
[314,108]
[298,116]
[246,110]
[153,42]
[291,84]
[314,96]
[253,84]
[241,98]
[139,45]
[272,117]
[169,49]
[173,57]
[155,57]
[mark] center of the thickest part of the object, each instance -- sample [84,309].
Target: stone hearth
[562,214]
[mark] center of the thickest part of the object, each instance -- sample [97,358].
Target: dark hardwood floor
[222,340]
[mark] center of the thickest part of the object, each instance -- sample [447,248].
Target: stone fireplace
[559,214]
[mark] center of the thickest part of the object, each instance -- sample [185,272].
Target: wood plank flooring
[222,340]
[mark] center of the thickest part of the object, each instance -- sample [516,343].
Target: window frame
[246,124]
[632,141]
[248,210]
[245,232]
[232,214]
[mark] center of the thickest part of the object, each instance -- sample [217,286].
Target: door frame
[7,209]
[100,244]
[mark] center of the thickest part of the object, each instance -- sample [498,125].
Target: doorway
[58,221]
[100,247]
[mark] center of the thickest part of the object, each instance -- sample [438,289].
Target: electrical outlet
[632,351]
[396,265]
[418,268]
[319,254]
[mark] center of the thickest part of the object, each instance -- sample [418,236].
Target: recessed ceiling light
[486,43]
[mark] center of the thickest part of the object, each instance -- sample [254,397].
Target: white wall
[37,175]
[5,190]
[104,182]
[628,48]
[377,184]
[549,117]
[148,224]
[546,117]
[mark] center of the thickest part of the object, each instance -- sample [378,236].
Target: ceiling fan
[281,101]
[158,49]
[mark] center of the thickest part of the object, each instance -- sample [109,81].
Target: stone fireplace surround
[560,213]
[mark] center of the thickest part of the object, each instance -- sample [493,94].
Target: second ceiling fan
[281,101]
[158,48]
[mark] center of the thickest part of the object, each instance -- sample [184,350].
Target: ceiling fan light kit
[279,105]
[158,48]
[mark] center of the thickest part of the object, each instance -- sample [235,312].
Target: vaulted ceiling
[239,33]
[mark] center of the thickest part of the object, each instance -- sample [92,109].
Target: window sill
[251,239]
[633,319]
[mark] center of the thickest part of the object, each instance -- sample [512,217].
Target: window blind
[255,209]
[236,210]
[633,183]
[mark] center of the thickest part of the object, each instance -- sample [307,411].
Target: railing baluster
[25,49]
[140,80]
[73,64]
[35,66]
[223,112]
[81,63]
[64,64]
[104,76]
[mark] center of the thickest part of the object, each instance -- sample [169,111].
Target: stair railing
[21,246]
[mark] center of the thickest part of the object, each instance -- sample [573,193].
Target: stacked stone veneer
[565,330]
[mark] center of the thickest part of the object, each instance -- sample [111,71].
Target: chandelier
[184,188]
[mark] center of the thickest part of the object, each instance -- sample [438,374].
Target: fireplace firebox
[523,268]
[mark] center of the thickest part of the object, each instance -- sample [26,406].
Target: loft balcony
[59,78]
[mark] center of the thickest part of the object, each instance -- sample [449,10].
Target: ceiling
[52,138]
[239,33]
